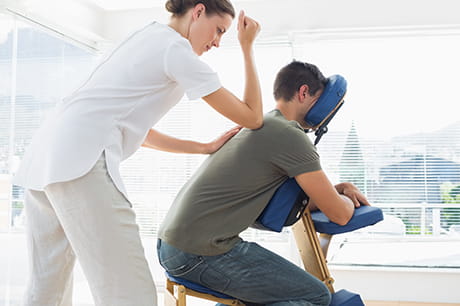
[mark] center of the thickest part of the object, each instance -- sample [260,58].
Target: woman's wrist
[205,148]
[247,50]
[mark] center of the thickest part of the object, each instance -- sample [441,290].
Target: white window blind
[154,178]
[397,136]
[394,138]
[38,69]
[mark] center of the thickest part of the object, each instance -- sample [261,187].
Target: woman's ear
[198,11]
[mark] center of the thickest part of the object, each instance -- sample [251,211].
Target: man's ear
[303,92]
[198,11]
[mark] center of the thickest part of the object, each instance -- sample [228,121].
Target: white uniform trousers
[89,219]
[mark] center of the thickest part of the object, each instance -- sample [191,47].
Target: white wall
[399,284]
[280,19]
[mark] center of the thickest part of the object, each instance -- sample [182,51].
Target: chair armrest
[362,217]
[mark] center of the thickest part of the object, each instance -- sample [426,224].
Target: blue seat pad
[197,287]
[342,297]
[346,298]
[362,217]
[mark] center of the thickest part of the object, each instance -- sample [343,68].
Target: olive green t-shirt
[232,187]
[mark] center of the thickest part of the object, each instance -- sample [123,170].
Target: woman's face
[206,32]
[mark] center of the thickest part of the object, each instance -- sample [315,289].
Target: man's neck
[290,111]
[287,110]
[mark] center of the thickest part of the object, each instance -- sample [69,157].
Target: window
[40,69]
[154,178]
[37,68]
[397,139]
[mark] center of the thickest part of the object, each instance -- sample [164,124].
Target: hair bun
[175,7]
[179,8]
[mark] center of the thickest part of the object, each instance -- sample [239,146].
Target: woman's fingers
[241,21]
[248,29]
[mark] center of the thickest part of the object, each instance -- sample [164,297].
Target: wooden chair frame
[313,249]
[176,295]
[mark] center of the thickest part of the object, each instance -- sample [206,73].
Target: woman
[76,203]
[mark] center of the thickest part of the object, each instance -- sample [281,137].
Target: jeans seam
[200,261]
[165,261]
[223,275]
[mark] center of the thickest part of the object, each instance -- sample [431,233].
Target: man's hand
[353,193]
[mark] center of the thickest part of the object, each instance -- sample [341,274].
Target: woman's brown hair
[180,7]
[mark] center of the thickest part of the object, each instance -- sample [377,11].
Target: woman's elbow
[256,123]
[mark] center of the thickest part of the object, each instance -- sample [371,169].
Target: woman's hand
[217,143]
[159,141]
[248,29]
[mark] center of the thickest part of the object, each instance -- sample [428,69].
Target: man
[199,237]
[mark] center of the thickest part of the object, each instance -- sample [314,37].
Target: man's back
[232,187]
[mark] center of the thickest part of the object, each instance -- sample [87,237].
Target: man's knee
[324,297]
[320,297]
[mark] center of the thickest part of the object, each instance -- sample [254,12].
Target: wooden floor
[377,303]
[192,301]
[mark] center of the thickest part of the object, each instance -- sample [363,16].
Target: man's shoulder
[277,118]
[276,123]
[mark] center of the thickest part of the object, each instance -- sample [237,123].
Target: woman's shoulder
[168,35]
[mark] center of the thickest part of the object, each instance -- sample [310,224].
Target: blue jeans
[249,273]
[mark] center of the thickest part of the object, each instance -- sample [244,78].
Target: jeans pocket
[214,279]
[176,262]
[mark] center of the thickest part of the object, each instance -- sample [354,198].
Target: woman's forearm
[252,92]
[159,141]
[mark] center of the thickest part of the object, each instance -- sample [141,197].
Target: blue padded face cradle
[330,100]
[328,104]
[362,217]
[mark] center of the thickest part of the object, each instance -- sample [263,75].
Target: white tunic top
[115,108]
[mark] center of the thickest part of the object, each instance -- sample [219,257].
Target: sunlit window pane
[37,69]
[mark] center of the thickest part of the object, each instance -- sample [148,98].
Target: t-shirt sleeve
[183,66]
[296,153]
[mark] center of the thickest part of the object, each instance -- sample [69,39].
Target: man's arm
[348,189]
[337,207]
[352,192]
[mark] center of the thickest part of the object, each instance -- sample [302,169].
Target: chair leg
[170,298]
[182,296]
[176,295]
[310,250]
